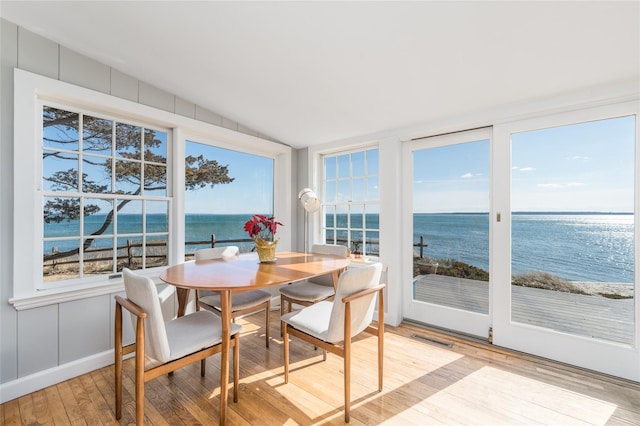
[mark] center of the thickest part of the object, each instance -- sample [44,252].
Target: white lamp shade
[309,200]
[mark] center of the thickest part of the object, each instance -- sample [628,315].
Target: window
[96,188]
[573,226]
[104,195]
[351,201]
[223,189]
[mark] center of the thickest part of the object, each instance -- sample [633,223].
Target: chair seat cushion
[313,320]
[238,301]
[307,291]
[193,332]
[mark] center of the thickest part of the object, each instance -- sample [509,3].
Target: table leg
[225,298]
[183,298]
[335,275]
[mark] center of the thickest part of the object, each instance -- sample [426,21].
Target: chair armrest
[362,293]
[131,307]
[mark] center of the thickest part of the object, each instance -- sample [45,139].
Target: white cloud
[560,185]
[467,175]
[580,157]
[527,169]
[550,185]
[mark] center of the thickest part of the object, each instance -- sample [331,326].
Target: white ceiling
[313,72]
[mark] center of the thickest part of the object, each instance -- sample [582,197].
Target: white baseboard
[42,379]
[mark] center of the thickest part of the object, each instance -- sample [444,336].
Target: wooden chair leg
[282,302]
[203,367]
[347,379]
[140,372]
[347,361]
[236,365]
[118,360]
[266,325]
[380,338]
[286,353]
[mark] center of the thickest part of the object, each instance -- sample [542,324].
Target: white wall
[48,344]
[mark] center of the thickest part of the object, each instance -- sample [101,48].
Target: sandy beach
[624,290]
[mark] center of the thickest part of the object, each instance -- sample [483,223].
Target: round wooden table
[245,273]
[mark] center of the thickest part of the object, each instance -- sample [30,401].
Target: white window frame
[29,91]
[257,151]
[42,102]
[322,179]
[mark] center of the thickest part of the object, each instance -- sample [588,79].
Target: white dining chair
[245,303]
[162,347]
[314,290]
[332,325]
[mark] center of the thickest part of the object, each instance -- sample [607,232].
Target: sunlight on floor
[315,388]
[490,395]
[422,383]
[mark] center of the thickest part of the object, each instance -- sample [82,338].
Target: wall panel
[8,317]
[124,86]
[154,97]
[37,54]
[38,339]
[82,71]
[84,328]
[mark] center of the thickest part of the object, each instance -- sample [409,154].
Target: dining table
[242,273]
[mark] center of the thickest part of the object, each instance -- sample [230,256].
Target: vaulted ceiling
[313,72]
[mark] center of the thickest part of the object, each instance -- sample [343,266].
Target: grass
[545,281]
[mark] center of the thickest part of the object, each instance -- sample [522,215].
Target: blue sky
[452,178]
[251,192]
[582,167]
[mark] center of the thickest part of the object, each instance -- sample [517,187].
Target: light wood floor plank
[26,409]
[455,381]
[11,413]
[56,406]
[41,408]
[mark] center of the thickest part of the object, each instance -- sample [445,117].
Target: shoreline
[597,288]
[538,279]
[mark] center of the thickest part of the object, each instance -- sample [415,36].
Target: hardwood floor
[430,378]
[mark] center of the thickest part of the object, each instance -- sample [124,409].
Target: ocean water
[577,247]
[200,227]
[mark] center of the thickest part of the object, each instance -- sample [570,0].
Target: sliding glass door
[450,231]
[526,234]
[569,287]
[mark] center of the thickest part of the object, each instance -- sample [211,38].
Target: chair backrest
[335,249]
[217,252]
[352,281]
[143,292]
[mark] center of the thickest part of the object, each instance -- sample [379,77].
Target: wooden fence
[132,251]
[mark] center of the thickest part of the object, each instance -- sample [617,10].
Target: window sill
[67,294]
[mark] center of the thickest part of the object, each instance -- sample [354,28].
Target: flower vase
[266,249]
